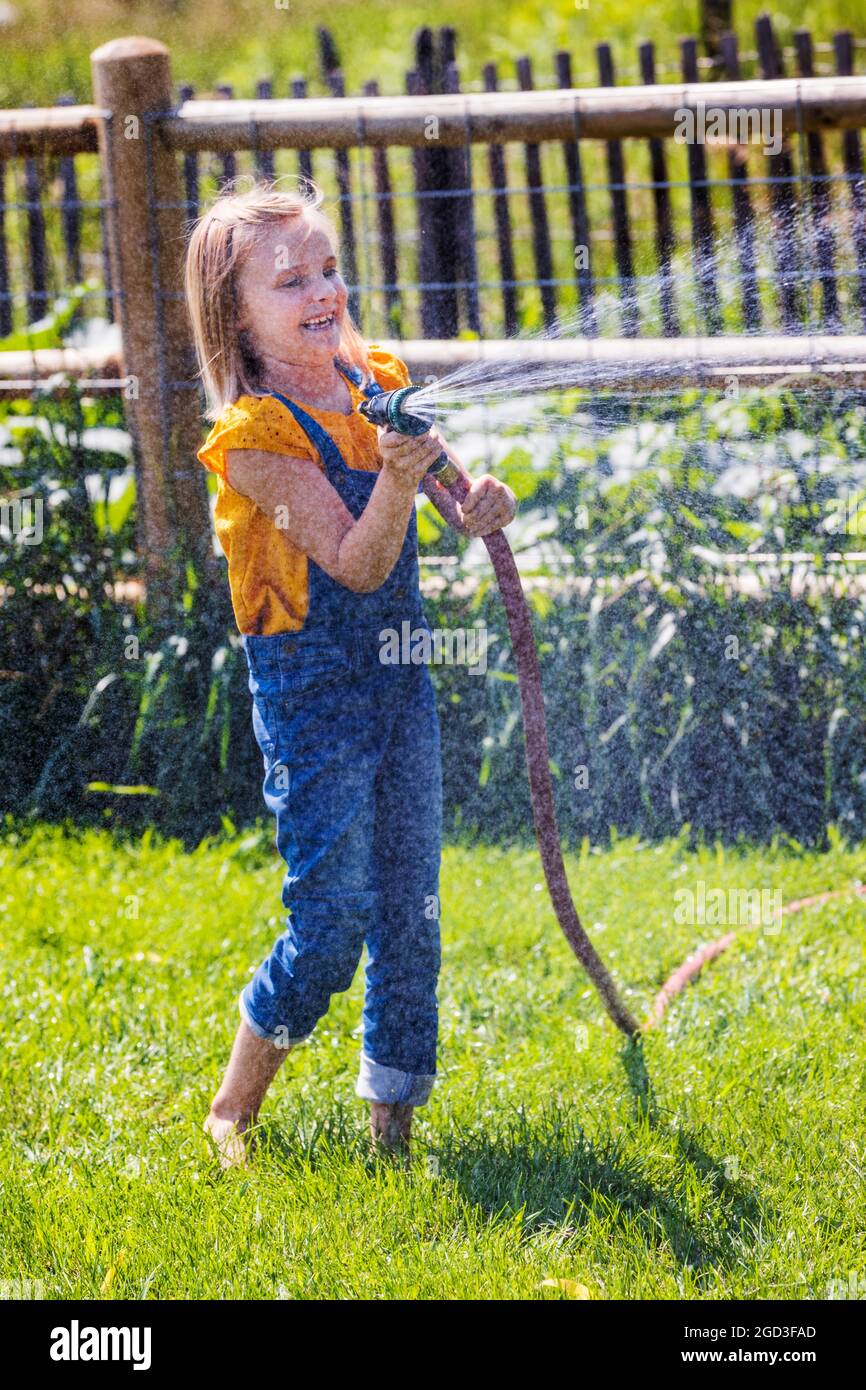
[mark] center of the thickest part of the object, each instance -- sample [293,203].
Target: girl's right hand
[408,456]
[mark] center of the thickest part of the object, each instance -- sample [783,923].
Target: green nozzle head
[389,408]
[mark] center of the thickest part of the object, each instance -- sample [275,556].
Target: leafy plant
[688,681]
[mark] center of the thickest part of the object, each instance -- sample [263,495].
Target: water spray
[391,408]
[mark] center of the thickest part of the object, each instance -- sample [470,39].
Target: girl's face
[289,281]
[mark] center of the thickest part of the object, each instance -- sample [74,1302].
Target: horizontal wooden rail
[49,130]
[656,363]
[817,103]
[80,363]
[610,113]
[648,364]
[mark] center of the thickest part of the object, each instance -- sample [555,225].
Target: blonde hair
[221,242]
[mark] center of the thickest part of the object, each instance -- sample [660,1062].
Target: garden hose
[389,408]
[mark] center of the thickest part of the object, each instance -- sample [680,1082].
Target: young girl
[316,514]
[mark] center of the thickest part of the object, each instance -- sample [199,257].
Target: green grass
[725,1163]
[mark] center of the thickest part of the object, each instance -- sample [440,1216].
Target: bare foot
[231,1138]
[390,1128]
[234,1109]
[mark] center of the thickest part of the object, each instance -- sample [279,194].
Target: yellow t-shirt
[267,574]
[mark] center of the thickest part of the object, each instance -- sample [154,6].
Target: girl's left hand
[488,506]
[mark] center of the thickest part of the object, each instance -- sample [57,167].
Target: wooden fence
[150,152]
[447,194]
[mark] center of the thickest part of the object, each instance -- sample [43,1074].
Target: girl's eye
[288,284]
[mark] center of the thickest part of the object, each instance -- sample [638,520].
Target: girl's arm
[297,497]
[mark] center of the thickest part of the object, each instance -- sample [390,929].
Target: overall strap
[371,389]
[318,436]
[333,459]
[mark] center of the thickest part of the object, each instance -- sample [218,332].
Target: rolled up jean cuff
[390,1085]
[260,1032]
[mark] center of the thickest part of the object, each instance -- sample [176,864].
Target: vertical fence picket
[264,159]
[438,303]
[619,209]
[446,210]
[228,163]
[843,49]
[782,198]
[822,209]
[665,241]
[6,316]
[447,50]
[464,213]
[703,238]
[499,183]
[109,308]
[329,65]
[715,20]
[577,211]
[424,87]
[343,173]
[37,291]
[440,221]
[70,211]
[538,212]
[426,250]
[329,57]
[190,165]
[385,226]
[305,157]
[744,214]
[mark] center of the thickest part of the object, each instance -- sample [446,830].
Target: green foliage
[691,680]
[681,686]
[98,711]
[50,331]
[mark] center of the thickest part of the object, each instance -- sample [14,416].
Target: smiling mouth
[320,324]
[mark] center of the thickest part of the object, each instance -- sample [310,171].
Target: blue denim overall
[353,774]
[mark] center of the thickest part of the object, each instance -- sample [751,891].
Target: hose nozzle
[390,408]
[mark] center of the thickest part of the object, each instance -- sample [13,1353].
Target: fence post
[131,77]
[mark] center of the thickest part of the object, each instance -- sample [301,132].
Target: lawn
[725,1162]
